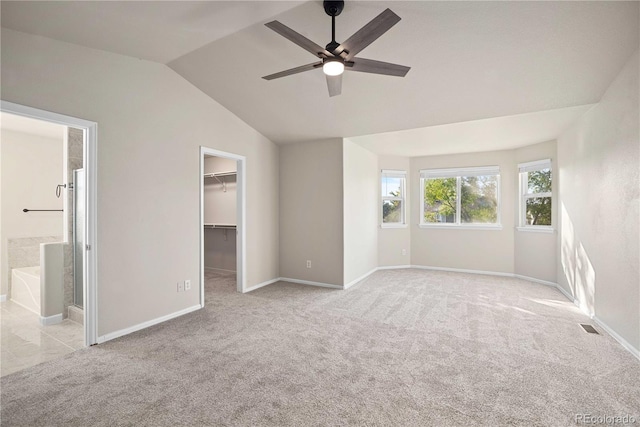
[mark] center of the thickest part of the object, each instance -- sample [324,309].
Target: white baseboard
[394,267]
[310,283]
[259,285]
[623,342]
[359,279]
[533,279]
[143,325]
[51,320]
[3,298]
[463,270]
[631,349]
[567,294]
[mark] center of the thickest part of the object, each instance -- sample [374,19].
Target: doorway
[222,219]
[82,226]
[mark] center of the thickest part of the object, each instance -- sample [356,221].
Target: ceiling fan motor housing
[331,47]
[333,8]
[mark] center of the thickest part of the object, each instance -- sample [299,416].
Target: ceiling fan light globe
[333,68]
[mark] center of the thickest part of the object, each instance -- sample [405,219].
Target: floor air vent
[589,329]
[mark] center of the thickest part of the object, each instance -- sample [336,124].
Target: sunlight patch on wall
[576,265]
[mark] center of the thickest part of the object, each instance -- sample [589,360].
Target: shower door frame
[90,163]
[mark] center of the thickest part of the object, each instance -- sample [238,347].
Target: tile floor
[25,343]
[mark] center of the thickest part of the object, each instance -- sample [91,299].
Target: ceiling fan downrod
[333,9]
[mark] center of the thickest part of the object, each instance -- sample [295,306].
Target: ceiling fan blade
[296,70]
[334,83]
[377,67]
[368,34]
[298,39]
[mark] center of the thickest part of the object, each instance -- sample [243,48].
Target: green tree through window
[470,198]
[538,197]
[440,196]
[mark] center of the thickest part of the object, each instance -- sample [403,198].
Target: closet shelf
[222,226]
[217,174]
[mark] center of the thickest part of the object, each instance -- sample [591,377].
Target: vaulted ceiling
[469,61]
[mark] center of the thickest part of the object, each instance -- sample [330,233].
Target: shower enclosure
[78,237]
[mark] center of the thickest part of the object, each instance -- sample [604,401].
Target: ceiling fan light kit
[332,67]
[338,57]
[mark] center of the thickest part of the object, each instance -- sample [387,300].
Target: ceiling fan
[338,57]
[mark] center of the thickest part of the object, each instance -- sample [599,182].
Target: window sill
[393,225]
[549,230]
[462,227]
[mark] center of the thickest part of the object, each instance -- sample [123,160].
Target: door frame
[90,165]
[241,216]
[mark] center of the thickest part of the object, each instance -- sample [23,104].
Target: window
[460,197]
[535,194]
[393,198]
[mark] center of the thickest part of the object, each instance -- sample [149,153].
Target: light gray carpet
[404,347]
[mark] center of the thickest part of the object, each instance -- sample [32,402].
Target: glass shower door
[78,237]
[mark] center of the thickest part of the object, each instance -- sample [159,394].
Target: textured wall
[361,200]
[151,123]
[599,158]
[311,211]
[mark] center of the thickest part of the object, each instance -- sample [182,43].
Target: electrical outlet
[180,287]
[308,263]
[404,252]
[187,285]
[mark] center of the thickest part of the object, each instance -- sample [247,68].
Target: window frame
[458,173]
[523,186]
[403,200]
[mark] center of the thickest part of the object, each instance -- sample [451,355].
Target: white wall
[598,161]
[361,200]
[469,249]
[151,123]
[392,241]
[311,211]
[31,169]
[535,253]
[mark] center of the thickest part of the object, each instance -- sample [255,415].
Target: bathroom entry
[73,245]
[42,234]
[222,218]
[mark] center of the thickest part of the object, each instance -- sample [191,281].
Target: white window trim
[537,229]
[458,173]
[471,226]
[403,200]
[522,209]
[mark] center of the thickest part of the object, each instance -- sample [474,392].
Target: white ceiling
[30,126]
[470,60]
[159,31]
[498,133]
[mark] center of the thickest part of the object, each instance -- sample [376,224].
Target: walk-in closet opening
[221,220]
